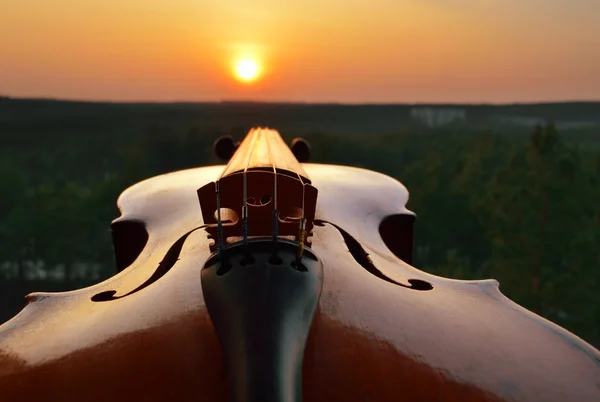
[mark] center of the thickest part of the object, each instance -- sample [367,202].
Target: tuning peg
[224,147]
[301,149]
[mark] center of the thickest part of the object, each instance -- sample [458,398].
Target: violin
[274,279]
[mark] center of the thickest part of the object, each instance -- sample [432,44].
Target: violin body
[375,328]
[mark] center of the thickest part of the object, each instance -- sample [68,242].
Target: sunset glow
[305,50]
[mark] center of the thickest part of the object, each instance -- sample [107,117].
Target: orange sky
[311,50]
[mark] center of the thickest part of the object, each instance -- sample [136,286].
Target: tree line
[519,208]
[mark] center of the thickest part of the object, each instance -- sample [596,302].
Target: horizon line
[282,102]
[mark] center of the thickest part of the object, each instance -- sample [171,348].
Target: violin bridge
[261,210]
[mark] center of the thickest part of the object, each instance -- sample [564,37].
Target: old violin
[273,280]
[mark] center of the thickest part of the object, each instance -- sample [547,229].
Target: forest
[513,202]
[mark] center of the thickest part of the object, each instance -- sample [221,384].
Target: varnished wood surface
[370,339]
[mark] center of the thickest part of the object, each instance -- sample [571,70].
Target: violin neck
[264,149]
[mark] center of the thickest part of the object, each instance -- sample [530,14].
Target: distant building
[522,121]
[435,117]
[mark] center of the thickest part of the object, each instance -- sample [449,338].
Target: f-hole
[161,270]
[362,257]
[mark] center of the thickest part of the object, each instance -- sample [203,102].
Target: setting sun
[246,70]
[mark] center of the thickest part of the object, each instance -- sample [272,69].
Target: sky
[349,51]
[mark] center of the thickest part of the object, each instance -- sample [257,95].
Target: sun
[247,70]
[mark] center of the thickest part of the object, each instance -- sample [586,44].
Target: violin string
[221,244]
[220,239]
[219,223]
[302,226]
[245,195]
[302,229]
[275,210]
